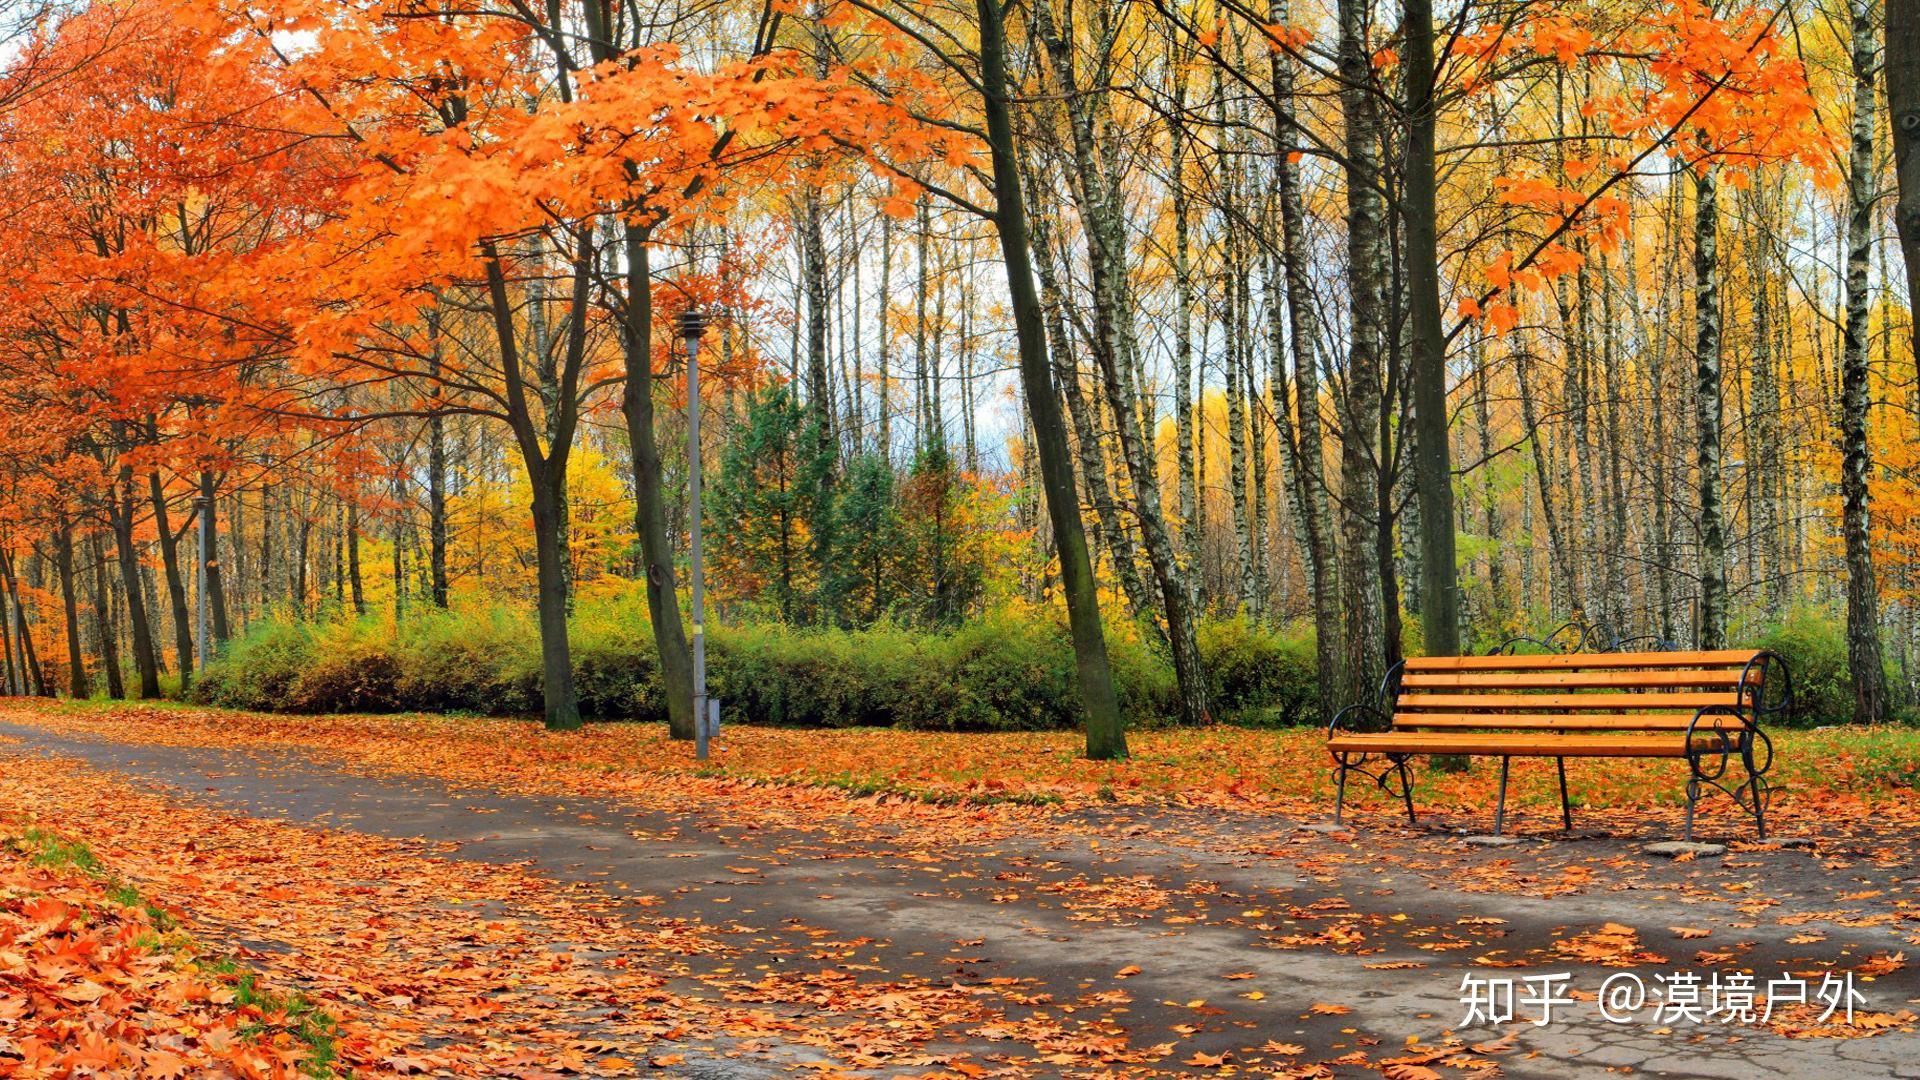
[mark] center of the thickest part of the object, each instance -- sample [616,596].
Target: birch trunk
[1863,598]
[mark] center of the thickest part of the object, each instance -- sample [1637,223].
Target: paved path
[1161,905]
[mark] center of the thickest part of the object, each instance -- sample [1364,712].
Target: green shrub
[1815,649]
[259,670]
[616,670]
[485,661]
[1006,671]
[351,667]
[1259,676]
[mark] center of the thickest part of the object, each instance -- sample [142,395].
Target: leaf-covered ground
[1819,776]
[97,981]
[481,898]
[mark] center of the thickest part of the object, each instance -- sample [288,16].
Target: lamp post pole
[693,324]
[203,508]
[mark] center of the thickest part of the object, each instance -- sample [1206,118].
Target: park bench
[1705,708]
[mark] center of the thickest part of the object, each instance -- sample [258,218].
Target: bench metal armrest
[1766,689]
[1342,720]
[1750,743]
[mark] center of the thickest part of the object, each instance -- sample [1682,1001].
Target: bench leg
[1566,808]
[1693,796]
[1753,792]
[1406,789]
[1500,808]
[1339,793]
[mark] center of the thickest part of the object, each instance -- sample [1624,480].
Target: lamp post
[203,511]
[706,716]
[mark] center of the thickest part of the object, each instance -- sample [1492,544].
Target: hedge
[1010,670]
[1006,671]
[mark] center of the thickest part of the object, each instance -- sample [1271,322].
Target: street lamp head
[693,325]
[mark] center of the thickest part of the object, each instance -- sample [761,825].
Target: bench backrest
[1654,691]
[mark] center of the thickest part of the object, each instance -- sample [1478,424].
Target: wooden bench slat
[1734,658]
[1547,680]
[1563,721]
[1516,745]
[1581,702]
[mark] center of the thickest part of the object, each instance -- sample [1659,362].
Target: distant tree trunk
[176,586]
[549,489]
[1489,498]
[1545,476]
[103,624]
[1864,658]
[886,337]
[1106,737]
[1614,593]
[353,558]
[120,511]
[1183,397]
[1093,455]
[820,431]
[216,578]
[13,678]
[1116,356]
[1433,467]
[78,685]
[922,425]
[436,483]
[1662,526]
[34,680]
[1232,349]
[1763,430]
[1302,332]
[1712,630]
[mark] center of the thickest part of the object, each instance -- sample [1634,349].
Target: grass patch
[294,1014]
[56,852]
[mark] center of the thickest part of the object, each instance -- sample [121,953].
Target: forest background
[1069,364]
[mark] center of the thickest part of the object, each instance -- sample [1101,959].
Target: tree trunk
[1115,354]
[120,510]
[103,625]
[436,484]
[1712,630]
[1863,596]
[34,680]
[1302,331]
[1902,73]
[176,587]
[78,685]
[650,508]
[562,704]
[1360,473]
[1183,398]
[1106,736]
[1432,463]
[353,558]
[216,580]
[820,457]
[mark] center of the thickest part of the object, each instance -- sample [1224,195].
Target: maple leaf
[164,1065]
[1883,964]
